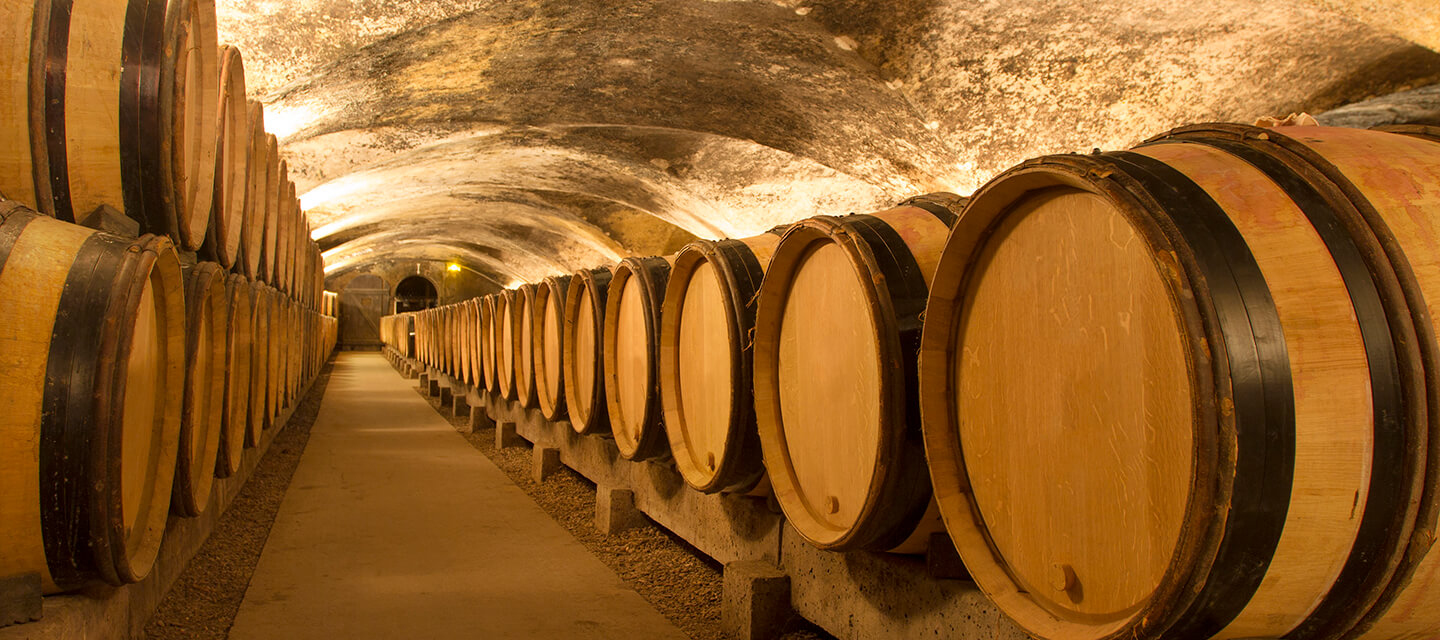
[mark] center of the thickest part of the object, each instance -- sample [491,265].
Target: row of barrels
[1187,390]
[132,108]
[132,380]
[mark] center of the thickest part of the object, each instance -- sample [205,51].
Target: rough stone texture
[505,436]
[756,602]
[615,510]
[1416,20]
[478,418]
[530,137]
[1417,106]
[20,599]
[861,595]
[545,463]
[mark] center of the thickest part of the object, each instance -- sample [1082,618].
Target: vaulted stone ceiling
[530,137]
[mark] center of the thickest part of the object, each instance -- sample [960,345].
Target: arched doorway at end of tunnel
[415,293]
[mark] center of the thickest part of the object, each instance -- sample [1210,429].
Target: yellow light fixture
[454,266]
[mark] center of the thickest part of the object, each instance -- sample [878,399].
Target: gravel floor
[202,603]
[682,584]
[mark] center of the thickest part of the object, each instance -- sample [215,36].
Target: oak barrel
[505,342]
[94,359]
[475,375]
[487,342]
[189,106]
[275,376]
[232,171]
[207,310]
[549,347]
[257,166]
[524,345]
[582,357]
[631,357]
[259,420]
[237,375]
[1256,392]
[271,198]
[706,325]
[78,117]
[836,327]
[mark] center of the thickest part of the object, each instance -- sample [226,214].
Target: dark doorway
[415,293]
[362,303]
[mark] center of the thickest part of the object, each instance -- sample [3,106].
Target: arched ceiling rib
[532,136]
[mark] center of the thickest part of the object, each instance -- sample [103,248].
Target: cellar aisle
[395,527]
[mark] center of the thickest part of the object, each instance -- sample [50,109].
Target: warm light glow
[454,267]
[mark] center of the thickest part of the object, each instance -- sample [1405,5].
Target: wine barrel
[407,335]
[487,343]
[445,335]
[471,337]
[1256,392]
[252,237]
[275,377]
[836,327]
[207,309]
[549,323]
[275,174]
[505,342]
[78,121]
[284,232]
[237,376]
[295,353]
[705,362]
[259,420]
[232,171]
[631,359]
[524,346]
[189,108]
[94,355]
[583,355]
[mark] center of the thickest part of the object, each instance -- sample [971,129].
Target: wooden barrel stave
[505,343]
[259,360]
[861,282]
[584,352]
[204,405]
[1337,300]
[252,236]
[525,391]
[189,106]
[631,357]
[549,347]
[78,507]
[237,376]
[705,362]
[232,172]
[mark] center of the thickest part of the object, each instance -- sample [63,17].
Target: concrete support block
[545,463]
[424,382]
[479,419]
[755,604]
[434,386]
[446,395]
[615,510]
[20,599]
[505,436]
[460,407]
